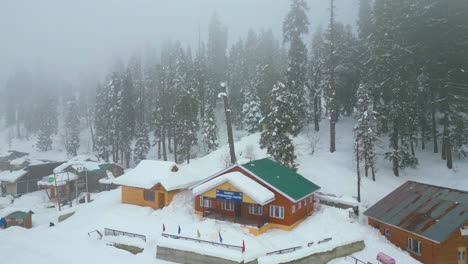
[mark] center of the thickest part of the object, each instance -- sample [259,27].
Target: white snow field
[69,241]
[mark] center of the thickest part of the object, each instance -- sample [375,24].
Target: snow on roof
[18,161]
[11,176]
[250,187]
[109,179]
[89,162]
[9,210]
[148,173]
[60,179]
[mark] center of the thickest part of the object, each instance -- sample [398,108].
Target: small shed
[154,183]
[260,194]
[425,220]
[11,216]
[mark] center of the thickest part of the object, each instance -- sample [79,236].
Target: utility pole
[87,190]
[227,110]
[57,193]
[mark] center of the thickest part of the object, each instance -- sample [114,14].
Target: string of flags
[179,230]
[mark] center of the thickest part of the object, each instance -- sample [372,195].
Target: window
[255,209]
[461,254]
[311,200]
[387,232]
[299,205]
[149,196]
[293,209]
[205,202]
[277,211]
[305,202]
[228,205]
[414,245]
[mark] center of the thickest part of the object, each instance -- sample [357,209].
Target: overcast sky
[70,37]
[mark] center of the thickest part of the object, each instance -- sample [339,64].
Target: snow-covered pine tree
[47,115]
[365,130]
[186,108]
[315,77]
[142,143]
[276,137]
[210,130]
[237,81]
[126,117]
[294,26]
[72,127]
[251,107]
[101,120]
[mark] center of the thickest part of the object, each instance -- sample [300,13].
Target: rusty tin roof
[432,212]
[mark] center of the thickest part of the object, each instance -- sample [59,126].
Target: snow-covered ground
[69,241]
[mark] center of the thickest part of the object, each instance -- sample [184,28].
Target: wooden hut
[11,216]
[153,183]
[261,194]
[430,222]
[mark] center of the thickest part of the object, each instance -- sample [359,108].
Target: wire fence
[112,232]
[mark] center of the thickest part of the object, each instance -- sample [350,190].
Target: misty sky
[67,38]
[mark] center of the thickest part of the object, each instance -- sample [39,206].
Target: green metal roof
[282,178]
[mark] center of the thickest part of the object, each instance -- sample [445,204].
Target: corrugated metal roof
[430,211]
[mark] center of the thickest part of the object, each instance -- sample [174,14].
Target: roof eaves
[438,242]
[213,176]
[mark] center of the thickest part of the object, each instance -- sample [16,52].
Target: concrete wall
[180,256]
[325,257]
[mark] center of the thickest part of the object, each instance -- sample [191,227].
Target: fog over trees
[400,68]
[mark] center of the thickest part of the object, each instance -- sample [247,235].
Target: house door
[161,200]
[238,209]
[461,255]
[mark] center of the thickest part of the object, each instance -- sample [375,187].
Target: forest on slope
[402,73]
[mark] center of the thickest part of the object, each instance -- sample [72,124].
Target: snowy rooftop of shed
[148,173]
[248,186]
[60,179]
[88,162]
[11,176]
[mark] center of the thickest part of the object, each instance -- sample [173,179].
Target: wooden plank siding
[289,219]
[133,195]
[431,252]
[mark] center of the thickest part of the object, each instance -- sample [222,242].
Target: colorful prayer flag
[198,233]
[164,228]
[178,232]
[243,246]
[220,238]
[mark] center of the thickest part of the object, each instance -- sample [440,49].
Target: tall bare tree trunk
[164,143]
[332,81]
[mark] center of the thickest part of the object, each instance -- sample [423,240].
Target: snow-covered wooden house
[154,183]
[260,194]
[25,180]
[427,221]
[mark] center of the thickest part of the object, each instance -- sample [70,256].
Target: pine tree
[217,59]
[276,137]
[47,115]
[72,127]
[102,124]
[294,26]
[365,130]
[251,108]
[142,143]
[210,130]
